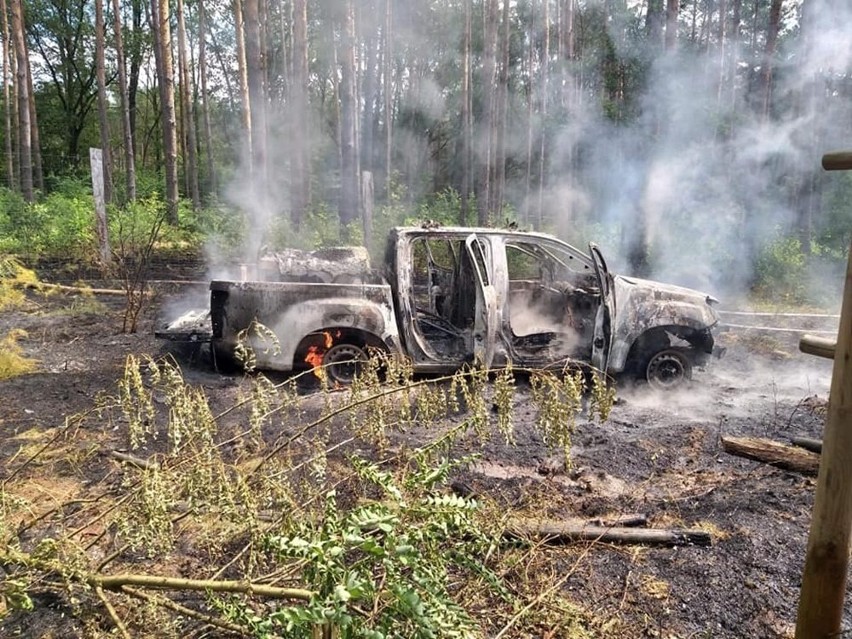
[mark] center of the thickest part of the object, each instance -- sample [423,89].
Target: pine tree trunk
[103,121]
[25,158]
[239,31]
[8,107]
[187,111]
[167,106]
[388,89]
[543,89]
[126,130]
[502,112]
[769,54]
[485,156]
[301,190]
[212,184]
[35,138]
[672,8]
[257,93]
[349,192]
[465,117]
[135,60]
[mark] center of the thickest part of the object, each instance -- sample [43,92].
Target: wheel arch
[693,341]
[355,336]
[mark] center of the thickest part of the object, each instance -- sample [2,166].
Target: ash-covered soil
[659,454]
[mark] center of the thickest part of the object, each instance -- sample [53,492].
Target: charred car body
[447,296]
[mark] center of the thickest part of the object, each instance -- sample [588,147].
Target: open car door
[606,312]
[485,318]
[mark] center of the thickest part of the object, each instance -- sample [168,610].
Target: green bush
[785,274]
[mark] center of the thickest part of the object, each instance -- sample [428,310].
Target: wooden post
[824,577]
[97,163]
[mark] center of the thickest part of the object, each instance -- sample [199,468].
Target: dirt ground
[658,454]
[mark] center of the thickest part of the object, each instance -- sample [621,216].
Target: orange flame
[315,354]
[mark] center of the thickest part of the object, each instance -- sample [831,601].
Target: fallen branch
[41,286]
[165,602]
[119,624]
[808,443]
[144,464]
[628,520]
[566,532]
[115,582]
[773,453]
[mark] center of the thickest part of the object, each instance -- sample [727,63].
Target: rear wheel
[343,362]
[668,369]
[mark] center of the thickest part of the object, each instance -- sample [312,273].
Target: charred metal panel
[642,305]
[294,310]
[344,264]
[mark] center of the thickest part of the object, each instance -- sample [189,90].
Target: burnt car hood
[642,304]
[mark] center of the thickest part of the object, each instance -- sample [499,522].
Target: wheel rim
[667,370]
[342,363]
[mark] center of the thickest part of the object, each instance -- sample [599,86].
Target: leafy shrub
[785,274]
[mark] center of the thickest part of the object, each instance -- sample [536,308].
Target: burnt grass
[659,454]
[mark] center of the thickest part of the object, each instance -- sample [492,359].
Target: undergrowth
[14,277]
[328,515]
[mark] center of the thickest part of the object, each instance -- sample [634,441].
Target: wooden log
[819,346]
[774,453]
[567,532]
[808,443]
[839,161]
[627,520]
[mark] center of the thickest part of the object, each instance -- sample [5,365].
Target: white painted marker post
[97,163]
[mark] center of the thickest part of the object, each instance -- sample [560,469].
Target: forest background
[684,136]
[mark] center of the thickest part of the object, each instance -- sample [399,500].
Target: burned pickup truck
[447,296]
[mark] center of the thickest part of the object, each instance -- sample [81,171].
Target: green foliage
[60,224]
[385,568]
[784,274]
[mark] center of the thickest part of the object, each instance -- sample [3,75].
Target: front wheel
[343,362]
[668,369]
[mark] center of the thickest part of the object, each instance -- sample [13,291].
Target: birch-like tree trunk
[187,111]
[124,103]
[25,157]
[103,119]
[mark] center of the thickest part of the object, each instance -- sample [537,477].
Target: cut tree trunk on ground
[808,443]
[774,453]
[567,532]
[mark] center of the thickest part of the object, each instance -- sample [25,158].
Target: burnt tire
[343,362]
[668,369]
